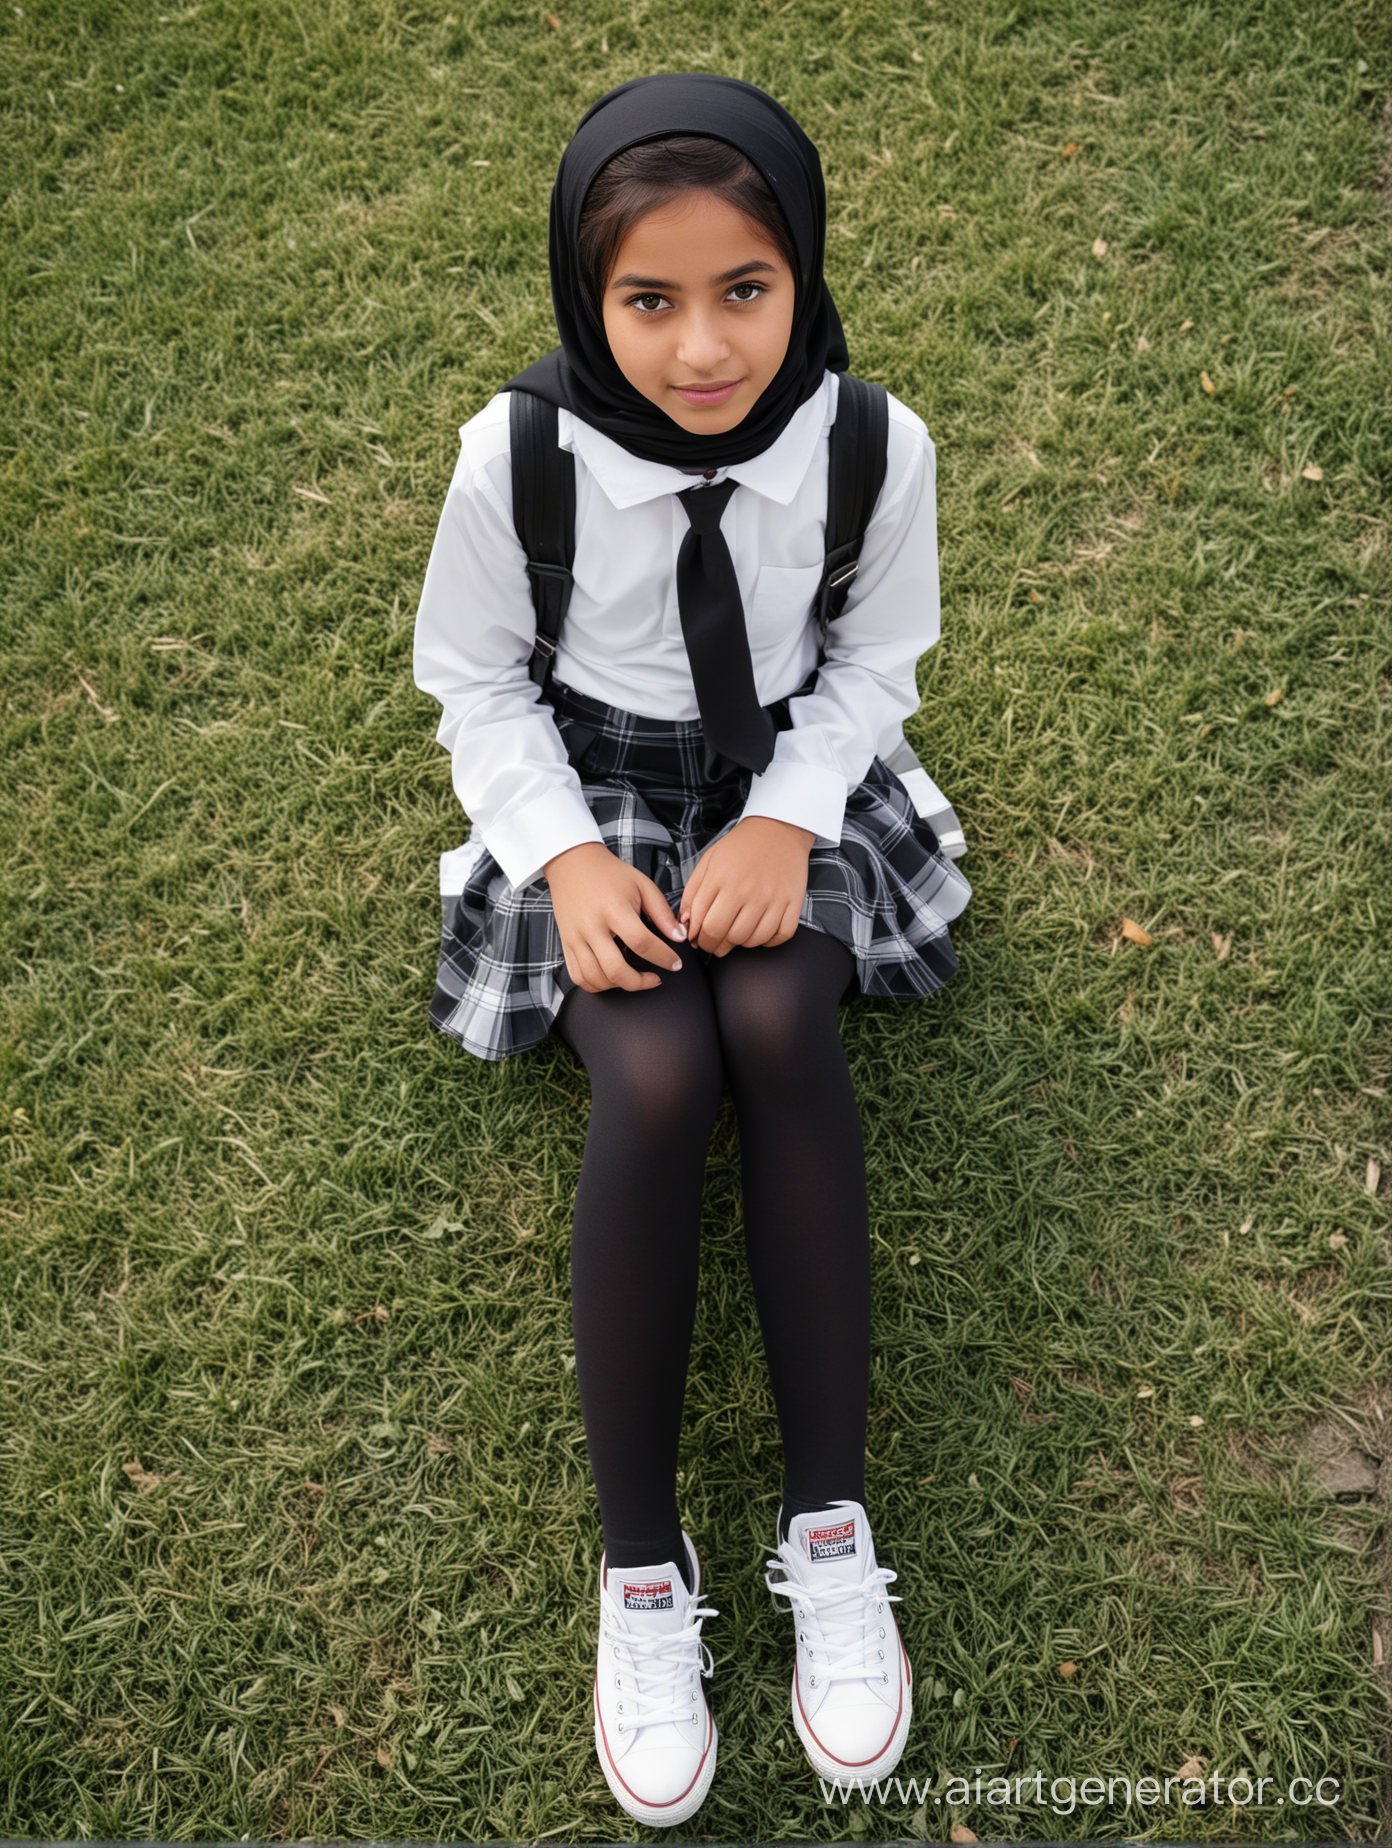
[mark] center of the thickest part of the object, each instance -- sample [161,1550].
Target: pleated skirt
[886,890]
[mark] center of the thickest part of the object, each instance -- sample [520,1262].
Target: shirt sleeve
[867,685]
[475,630]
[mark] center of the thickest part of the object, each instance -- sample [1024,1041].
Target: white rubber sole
[666,1815]
[828,1767]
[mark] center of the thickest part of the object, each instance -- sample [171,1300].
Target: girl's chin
[709,420]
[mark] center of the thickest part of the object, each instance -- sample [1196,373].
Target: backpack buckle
[557,573]
[844,575]
[545,646]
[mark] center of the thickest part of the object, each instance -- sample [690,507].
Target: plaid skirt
[886,891]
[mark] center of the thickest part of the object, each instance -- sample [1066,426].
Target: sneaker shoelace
[656,1666]
[842,1611]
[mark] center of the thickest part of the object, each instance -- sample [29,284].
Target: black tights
[764,1019]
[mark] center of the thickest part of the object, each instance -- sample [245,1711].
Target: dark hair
[644,178]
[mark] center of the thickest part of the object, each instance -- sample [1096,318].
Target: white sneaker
[852,1685]
[653,1730]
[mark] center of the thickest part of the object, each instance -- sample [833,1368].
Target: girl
[686,850]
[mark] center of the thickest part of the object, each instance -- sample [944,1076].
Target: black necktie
[717,641]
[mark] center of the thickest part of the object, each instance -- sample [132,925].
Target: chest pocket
[782,601]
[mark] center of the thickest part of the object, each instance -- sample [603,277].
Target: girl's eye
[648,304]
[747,291]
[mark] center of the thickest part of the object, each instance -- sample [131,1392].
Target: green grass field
[297,1532]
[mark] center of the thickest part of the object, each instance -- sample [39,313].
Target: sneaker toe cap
[855,1733]
[661,1774]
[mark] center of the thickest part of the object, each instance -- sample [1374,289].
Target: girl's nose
[702,345]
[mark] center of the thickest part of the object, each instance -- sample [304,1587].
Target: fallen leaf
[1192,1768]
[339,1715]
[926,1479]
[1313,473]
[1184,326]
[1337,1240]
[1126,1012]
[1207,383]
[1274,699]
[1145,1392]
[438,1446]
[1195,1421]
[1372,1180]
[140,1478]
[1132,931]
[917,56]
[377,1313]
[1247,1225]
[553,22]
[1035,597]
[1377,1649]
[959,1832]
[1072,148]
[384,1757]
[1142,345]
[1099,248]
[1068,1670]
[1222,944]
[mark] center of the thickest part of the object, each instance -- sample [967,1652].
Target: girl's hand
[748,888]
[597,897]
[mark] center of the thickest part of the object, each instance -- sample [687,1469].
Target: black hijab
[582,375]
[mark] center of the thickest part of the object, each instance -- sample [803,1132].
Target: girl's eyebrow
[654,282]
[745,269]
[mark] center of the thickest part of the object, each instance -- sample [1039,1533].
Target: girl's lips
[717,393]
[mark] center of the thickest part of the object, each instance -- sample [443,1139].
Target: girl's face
[698,311]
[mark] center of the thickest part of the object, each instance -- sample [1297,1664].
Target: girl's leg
[805,1215]
[655,1075]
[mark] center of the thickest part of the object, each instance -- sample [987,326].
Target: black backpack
[543,504]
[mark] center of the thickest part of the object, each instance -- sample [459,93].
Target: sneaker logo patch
[831,1542]
[652,1595]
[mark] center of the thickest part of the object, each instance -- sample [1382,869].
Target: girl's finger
[644,942]
[658,910]
[782,930]
[618,972]
[787,928]
[732,933]
[690,898]
[710,921]
[587,972]
[753,927]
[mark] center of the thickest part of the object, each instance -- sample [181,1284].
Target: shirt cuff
[524,841]
[809,796]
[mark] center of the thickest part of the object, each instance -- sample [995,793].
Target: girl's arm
[474,634]
[865,689]
[867,685]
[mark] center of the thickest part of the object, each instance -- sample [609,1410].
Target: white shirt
[622,640]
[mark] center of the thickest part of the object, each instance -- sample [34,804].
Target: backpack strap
[855,475]
[543,511]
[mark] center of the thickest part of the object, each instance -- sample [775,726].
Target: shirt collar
[777,473]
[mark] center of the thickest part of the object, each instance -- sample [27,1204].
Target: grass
[298,1536]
